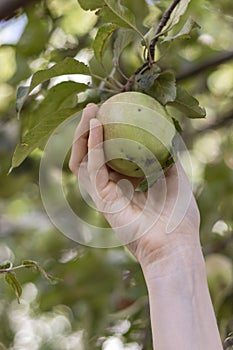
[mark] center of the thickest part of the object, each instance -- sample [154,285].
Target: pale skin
[182,316]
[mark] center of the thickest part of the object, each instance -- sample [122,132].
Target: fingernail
[89,105]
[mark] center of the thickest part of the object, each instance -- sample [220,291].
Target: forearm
[182,315]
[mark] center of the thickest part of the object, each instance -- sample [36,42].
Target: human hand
[155,224]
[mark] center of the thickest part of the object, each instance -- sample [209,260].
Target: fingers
[79,148]
[97,169]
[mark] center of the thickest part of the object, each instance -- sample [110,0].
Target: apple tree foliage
[56,56]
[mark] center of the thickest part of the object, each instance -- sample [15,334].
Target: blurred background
[101,302]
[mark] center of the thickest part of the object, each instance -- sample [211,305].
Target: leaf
[33,264]
[164,88]
[5,265]
[91,4]
[176,14]
[161,86]
[13,282]
[177,125]
[184,33]
[39,134]
[187,104]
[101,37]
[56,98]
[124,38]
[67,66]
[114,12]
[22,93]
[145,81]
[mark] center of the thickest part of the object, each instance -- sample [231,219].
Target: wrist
[182,315]
[171,261]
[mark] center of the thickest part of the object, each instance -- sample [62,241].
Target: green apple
[138,134]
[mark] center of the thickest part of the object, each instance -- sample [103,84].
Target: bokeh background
[101,302]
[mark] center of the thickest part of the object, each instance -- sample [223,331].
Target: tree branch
[219,123]
[150,59]
[162,23]
[208,64]
[8,8]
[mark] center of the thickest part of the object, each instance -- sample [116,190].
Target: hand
[155,224]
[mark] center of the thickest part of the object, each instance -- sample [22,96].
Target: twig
[151,52]
[108,90]
[162,23]
[11,269]
[104,81]
[209,63]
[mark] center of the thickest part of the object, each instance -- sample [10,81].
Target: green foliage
[161,86]
[187,104]
[56,72]
[100,40]
[124,38]
[8,270]
[185,32]
[90,4]
[176,14]
[68,66]
[14,283]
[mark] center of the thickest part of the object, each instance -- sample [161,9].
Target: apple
[138,135]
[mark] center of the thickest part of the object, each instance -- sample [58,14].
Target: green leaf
[124,38]
[187,104]
[177,125]
[13,282]
[102,35]
[91,4]
[34,265]
[115,12]
[4,265]
[184,33]
[57,97]
[161,86]
[39,134]
[176,14]
[145,81]
[67,66]
[164,89]
[22,93]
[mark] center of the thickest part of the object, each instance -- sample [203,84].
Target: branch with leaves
[9,271]
[117,23]
[166,16]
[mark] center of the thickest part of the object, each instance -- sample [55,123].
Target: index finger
[79,147]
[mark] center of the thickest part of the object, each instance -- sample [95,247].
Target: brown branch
[8,8]
[203,66]
[162,23]
[219,123]
[150,59]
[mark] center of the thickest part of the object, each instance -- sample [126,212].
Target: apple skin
[138,134]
